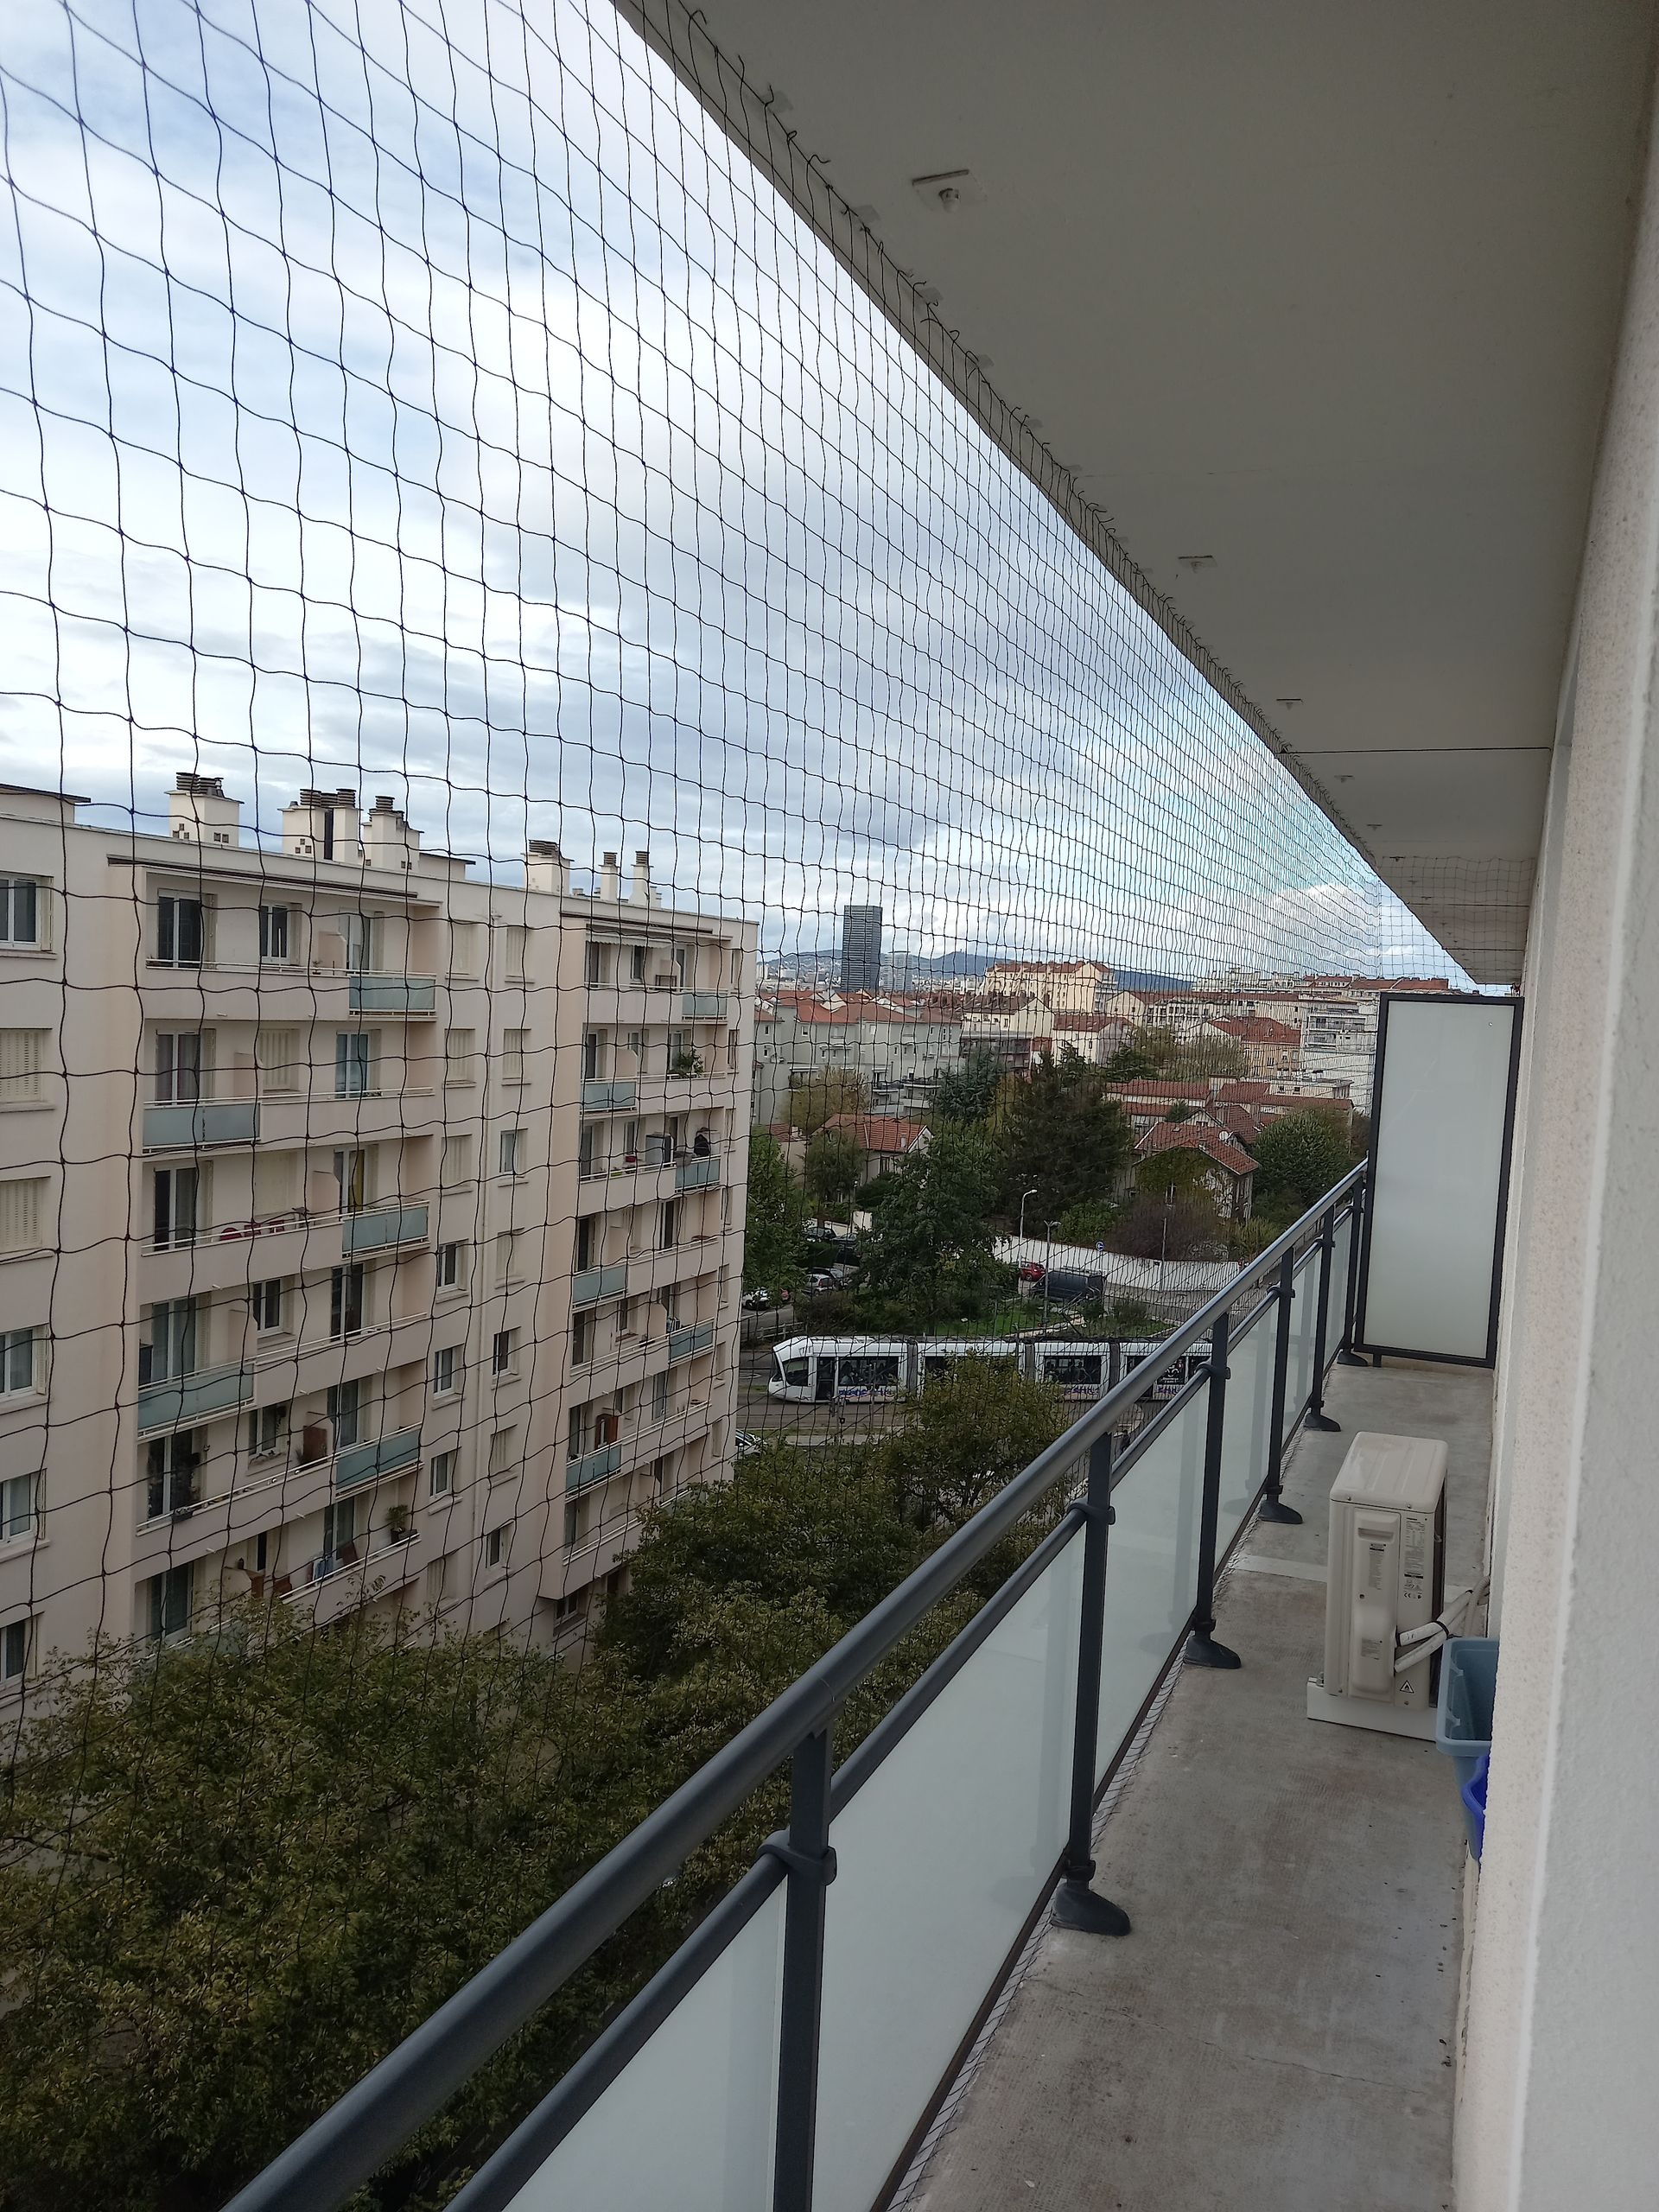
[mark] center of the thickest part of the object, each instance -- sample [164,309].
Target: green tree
[832,1166]
[774,1255]
[1179,1174]
[1063,1136]
[930,1247]
[1155,1053]
[1297,1157]
[967,1091]
[966,1437]
[816,1098]
[1090,1223]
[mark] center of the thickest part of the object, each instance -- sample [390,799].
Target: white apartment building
[897,1045]
[368,1234]
[1062,986]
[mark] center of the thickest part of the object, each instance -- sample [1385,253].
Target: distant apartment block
[860,949]
[369,1234]
[895,1044]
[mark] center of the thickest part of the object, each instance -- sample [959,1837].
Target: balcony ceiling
[1326,290]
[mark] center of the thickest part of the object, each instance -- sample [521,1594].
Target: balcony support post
[811,1864]
[1077,1905]
[1358,1199]
[1273,1505]
[1202,1649]
[1317,1416]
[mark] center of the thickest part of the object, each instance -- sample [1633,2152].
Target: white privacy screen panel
[1444,1071]
[941,1856]
[689,2121]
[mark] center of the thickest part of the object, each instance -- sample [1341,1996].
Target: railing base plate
[1203,1651]
[1323,1423]
[1075,1905]
[1351,1359]
[1275,1509]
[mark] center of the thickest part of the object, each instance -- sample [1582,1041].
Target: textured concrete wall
[1558,2105]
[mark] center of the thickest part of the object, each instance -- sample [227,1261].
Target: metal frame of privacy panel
[1442,1126]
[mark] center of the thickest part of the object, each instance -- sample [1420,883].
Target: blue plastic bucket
[1473,1793]
[1463,1724]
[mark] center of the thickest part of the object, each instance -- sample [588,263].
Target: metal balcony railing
[589,1285]
[848,1966]
[392,994]
[377,1229]
[686,1343]
[696,1171]
[602,1097]
[705,1005]
[362,1463]
[206,1122]
[593,1466]
[185,1398]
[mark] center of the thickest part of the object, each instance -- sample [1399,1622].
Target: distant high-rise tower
[860,949]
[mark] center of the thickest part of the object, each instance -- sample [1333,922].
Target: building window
[593,1050]
[180,936]
[582,1339]
[354,1058]
[515,948]
[14,1651]
[339,1536]
[19,1502]
[495,1546]
[575,1441]
[267,1302]
[176,1207]
[513,1044]
[659,1396]
[276,1056]
[436,1579]
[595,963]
[273,932]
[346,1411]
[503,1448]
[351,1165]
[447,1264]
[637,964]
[463,948]
[22,1056]
[512,1152]
[170,1596]
[20,910]
[504,1351]
[446,1370]
[170,1474]
[171,1352]
[456,1170]
[346,1300]
[362,935]
[16,1362]
[458,1066]
[267,1431]
[588,1235]
[179,1058]
[441,1474]
[671,1224]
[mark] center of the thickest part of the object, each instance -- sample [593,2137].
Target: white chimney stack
[642,879]
[387,841]
[198,812]
[323,825]
[610,883]
[546,868]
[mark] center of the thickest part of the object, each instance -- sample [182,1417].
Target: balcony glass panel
[393,993]
[1304,1318]
[179,1128]
[593,1466]
[705,1005]
[589,1285]
[1249,1419]
[381,1226]
[685,1343]
[192,1397]
[689,2123]
[941,1856]
[1338,1291]
[361,1462]
[696,1174]
[598,1096]
[1152,1564]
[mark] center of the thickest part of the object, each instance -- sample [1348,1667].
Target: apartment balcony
[589,1285]
[681,1261]
[696,1171]
[608,1189]
[595,1466]
[183,1399]
[686,1343]
[383,1227]
[200,1126]
[323,1116]
[391,993]
[602,1096]
[708,1005]
[356,1464]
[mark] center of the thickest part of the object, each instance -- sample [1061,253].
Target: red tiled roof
[878,1132]
[1255,1029]
[1196,1136]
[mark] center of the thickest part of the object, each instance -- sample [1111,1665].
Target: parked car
[745,1442]
[1068,1287]
[756,1301]
[1033,1271]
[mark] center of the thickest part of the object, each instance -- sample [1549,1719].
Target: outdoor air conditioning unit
[1385,1590]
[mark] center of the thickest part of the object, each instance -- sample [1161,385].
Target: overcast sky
[481,430]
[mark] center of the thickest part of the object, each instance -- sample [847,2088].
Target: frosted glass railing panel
[1303,1321]
[688,2122]
[941,1856]
[1152,1563]
[1338,1293]
[1244,1431]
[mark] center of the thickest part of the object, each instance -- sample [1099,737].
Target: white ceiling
[1325,289]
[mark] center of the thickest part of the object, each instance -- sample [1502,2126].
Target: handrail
[339,2152]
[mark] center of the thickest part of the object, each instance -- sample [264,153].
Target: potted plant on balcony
[685,1064]
[398,1528]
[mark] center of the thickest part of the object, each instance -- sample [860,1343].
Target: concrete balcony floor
[1277,2034]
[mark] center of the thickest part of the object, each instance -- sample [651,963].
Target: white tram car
[872,1370]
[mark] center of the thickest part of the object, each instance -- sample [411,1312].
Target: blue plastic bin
[1463,1726]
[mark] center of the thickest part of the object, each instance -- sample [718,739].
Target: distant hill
[1148,979]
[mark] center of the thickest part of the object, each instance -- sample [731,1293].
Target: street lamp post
[1050,1226]
[1024,1195]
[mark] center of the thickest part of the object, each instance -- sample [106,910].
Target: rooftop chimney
[198,812]
[610,886]
[642,879]
[323,825]
[546,868]
[387,841]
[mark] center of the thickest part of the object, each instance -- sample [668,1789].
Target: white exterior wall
[1556,2104]
[270,1211]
